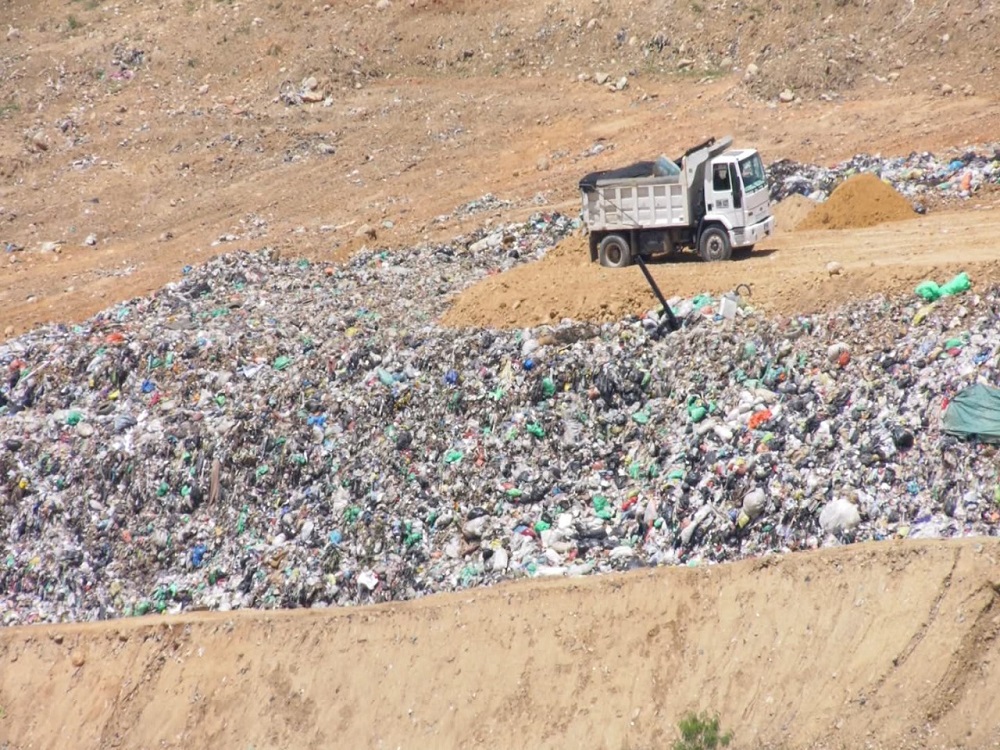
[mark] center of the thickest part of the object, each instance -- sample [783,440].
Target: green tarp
[974,413]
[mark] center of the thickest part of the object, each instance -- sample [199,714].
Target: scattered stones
[51,246]
[601,78]
[90,240]
[786,96]
[40,141]
[833,268]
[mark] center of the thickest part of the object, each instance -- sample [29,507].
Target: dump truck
[712,199]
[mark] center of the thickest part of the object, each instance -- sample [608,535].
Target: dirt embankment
[883,646]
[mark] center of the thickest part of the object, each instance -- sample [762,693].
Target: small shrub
[9,108]
[701,732]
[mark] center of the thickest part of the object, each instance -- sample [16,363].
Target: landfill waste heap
[269,433]
[917,177]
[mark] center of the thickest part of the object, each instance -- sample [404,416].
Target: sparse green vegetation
[73,22]
[701,732]
[8,108]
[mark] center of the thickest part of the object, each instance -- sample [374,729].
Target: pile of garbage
[267,433]
[915,176]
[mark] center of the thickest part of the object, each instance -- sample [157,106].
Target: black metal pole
[671,319]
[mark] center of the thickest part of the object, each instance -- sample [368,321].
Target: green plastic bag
[701,301]
[931,291]
[601,508]
[957,285]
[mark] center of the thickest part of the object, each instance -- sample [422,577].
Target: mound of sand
[564,284]
[789,213]
[860,201]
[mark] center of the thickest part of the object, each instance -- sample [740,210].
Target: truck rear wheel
[614,252]
[714,245]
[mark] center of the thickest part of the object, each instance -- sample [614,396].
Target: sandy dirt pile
[887,646]
[790,212]
[860,201]
[565,284]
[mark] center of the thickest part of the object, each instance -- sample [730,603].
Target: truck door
[726,194]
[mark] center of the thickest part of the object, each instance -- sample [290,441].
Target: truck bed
[635,203]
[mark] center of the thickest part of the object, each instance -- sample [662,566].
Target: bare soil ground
[160,128]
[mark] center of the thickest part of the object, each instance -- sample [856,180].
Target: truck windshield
[752,170]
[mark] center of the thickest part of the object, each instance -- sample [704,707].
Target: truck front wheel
[614,252]
[714,245]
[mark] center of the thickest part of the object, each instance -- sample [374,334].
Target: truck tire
[614,252]
[714,245]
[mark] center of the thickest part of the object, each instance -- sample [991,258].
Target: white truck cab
[737,197]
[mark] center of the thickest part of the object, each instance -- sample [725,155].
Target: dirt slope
[883,646]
